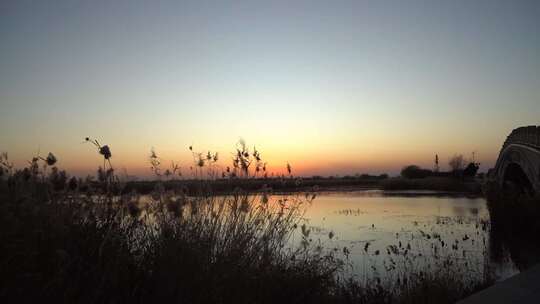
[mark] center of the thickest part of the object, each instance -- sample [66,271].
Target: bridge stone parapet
[529,135]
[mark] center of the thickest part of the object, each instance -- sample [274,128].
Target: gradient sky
[333,87]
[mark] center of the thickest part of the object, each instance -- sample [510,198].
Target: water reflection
[386,236]
[390,235]
[517,247]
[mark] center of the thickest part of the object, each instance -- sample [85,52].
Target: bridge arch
[518,164]
[515,177]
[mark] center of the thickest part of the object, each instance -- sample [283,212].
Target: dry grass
[86,241]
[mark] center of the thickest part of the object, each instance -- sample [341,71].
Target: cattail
[153,153]
[105,151]
[51,159]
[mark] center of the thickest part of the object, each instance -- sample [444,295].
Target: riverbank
[447,185]
[283,185]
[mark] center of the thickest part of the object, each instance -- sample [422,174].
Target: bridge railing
[529,135]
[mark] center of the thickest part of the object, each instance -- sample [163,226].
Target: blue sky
[331,86]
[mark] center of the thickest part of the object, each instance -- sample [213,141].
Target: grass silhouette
[86,241]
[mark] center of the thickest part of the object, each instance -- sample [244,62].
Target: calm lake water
[390,234]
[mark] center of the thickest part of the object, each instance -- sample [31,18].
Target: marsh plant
[89,244]
[105,173]
[72,240]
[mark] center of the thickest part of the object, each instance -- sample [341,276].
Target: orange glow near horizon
[306,159]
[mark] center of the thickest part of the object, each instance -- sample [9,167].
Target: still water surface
[388,234]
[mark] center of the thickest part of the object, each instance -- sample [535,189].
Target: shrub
[413,171]
[456,162]
[470,170]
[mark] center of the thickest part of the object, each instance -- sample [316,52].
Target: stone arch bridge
[519,160]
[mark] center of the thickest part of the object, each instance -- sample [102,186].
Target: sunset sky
[333,87]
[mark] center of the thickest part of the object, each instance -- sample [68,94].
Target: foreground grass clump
[69,240]
[96,247]
[82,241]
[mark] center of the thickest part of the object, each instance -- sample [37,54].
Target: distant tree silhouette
[456,162]
[471,169]
[413,171]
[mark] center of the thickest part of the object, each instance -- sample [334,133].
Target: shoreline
[388,187]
